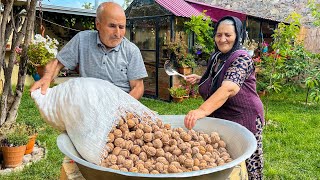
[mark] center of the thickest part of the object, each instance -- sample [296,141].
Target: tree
[126,3]
[14,17]
[315,11]
[87,5]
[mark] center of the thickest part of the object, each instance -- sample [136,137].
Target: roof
[179,7]
[215,12]
[67,10]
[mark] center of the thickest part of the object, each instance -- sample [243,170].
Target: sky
[77,3]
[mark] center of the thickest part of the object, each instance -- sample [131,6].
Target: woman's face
[225,37]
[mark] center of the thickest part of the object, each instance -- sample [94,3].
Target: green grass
[291,140]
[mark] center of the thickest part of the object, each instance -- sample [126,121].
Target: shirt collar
[99,43]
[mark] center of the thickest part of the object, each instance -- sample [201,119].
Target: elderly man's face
[112,27]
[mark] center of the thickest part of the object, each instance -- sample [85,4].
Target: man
[104,54]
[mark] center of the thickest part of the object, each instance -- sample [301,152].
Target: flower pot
[30,145]
[185,70]
[12,156]
[177,99]
[36,77]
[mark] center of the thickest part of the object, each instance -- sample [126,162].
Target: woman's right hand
[193,78]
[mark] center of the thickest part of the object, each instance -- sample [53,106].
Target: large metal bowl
[240,142]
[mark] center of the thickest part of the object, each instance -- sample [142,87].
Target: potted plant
[31,129]
[177,93]
[13,148]
[194,91]
[186,64]
[41,51]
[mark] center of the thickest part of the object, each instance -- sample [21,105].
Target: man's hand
[43,83]
[192,117]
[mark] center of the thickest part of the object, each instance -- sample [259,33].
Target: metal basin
[240,142]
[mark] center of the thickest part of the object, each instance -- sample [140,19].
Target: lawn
[291,140]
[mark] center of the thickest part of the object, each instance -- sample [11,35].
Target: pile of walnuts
[141,145]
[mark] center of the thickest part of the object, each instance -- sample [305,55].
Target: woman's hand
[192,117]
[193,78]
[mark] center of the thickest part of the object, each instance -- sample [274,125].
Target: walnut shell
[144,171]
[112,159]
[157,143]
[116,150]
[143,156]
[175,135]
[135,150]
[214,137]
[124,127]
[159,123]
[119,142]
[206,157]
[203,165]
[128,145]
[196,162]
[188,163]
[139,133]
[131,123]
[124,153]
[167,126]
[176,152]
[138,142]
[134,157]
[128,164]
[181,159]
[202,150]
[147,137]
[209,148]
[147,129]
[166,148]
[172,169]
[195,168]
[185,136]
[123,169]
[110,137]
[117,133]
[195,150]
[182,146]
[160,152]
[162,160]
[151,151]
[173,142]
[109,147]
[121,121]
[165,139]
[129,115]
[222,144]
[126,135]
[198,156]
[159,167]
[120,159]
[115,167]
[155,128]
[154,172]
[158,135]
[133,169]
[148,165]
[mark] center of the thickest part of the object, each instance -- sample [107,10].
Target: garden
[288,79]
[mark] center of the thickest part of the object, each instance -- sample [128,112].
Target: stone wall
[271,9]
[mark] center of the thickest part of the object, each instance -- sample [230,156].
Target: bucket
[241,144]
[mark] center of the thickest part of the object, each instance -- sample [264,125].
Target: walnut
[147,129]
[221,149]
[119,142]
[124,127]
[134,157]
[224,154]
[147,137]
[158,135]
[129,115]
[214,137]
[195,168]
[117,133]
[172,169]
[123,169]
[175,135]
[222,144]
[133,169]
[176,152]
[162,160]
[148,165]
[220,162]
[143,156]
[203,165]
[215,146]
[228,160]
[135,149]
[114,167]
[120,159]
[154,172]
[166,148]
[195,150]
[165,139]
[198,156]
[182,146]
[138,142]
[168,156]
[195,144]
[155,128]
[196,161]
[203,143]
[124,153]
[225,158]
[173,142]
[167,126]
[151,151]
[149,144]
[144,171]
[139,133]
[116,150]
[128,164]
[212,164]
[188,163]
[188,155]
[202,150]
[159,167]
[136,121]
[206,157]
[128,145]
[176,164]
[209,148]
[144,148]
[185,136]
[206,138]
[109,147]
[157,143]
[181,159]
[126,135]
[160,152]
[173,147]
[188,150]
[112,159]
[131,123]
[121,121]
[110,137]
[159,123]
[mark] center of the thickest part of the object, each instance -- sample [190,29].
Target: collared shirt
[118,65]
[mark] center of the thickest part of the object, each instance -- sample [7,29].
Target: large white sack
[87,108]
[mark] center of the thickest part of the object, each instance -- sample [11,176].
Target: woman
[229,88]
